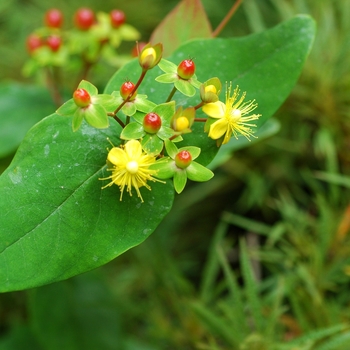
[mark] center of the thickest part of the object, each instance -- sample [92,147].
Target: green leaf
[56,221]
[167,66]
[90,88]
[266,65]
[144,105]
[197,172]
[152,144]
[67,109]
[96,116]
[167,78]
[132,131]
[21,106]
[109,102]
[165,132]
[77,119]
[180,180]
[129,109]
[186,21]
[165,111]
[185,87]
[171,148]
[165,168]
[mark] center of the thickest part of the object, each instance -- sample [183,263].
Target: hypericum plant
[96,178]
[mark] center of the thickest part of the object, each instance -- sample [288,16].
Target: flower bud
[150,56]
[210,90]
[183,119]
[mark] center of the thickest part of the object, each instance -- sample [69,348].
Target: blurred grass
[259,258]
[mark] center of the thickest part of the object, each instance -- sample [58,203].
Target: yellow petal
[218,129]
[117,156]
[133,149]
[214,109]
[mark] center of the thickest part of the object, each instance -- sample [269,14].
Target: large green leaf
[56,221]
[21,106]
[265,65]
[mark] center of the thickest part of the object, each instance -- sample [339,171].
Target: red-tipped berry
[53,18]
[185,69]
[126,89]
[183,159]
[54,42]
[84,18]
[152,123]
[81,98]
[33,42]
[117,18]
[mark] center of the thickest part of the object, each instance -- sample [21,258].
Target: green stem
[171,94]
[226,19]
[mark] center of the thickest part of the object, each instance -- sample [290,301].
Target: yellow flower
[231,116]
[130,168]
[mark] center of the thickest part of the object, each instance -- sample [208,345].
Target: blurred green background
[259,257]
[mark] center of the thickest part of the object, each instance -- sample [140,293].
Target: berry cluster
[152,132]
[94,36]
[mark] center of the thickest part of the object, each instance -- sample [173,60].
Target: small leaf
[152,144]
[144,105]
[96,116]
[108,102]
[165,168]
[185,87]
[180,180]
[129,109]
[171,149]
[77,119]
[133,131]
[165,132]
[68,108]
[165,111]
[198,172]
[167,66]
[128,32]
[90,88]
[167,78]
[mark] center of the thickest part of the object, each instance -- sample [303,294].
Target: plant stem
[117,119]
[200,120]
[171,94]
[52,83]
[199,105]
[226,19]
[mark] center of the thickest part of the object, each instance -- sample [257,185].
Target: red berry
[138,48]
[84,18]
[81,98]
[126,89]
[54,42]
[33,42]
[117,18]
[186,69]
[183,159]
[152,123]
[53,18]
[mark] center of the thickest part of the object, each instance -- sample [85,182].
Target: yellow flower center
[132,167]
[182,123]
[210,88]
[148,56]
[236,114]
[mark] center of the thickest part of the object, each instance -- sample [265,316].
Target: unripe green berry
[183,159]
[126,89]
[152,123]
[185,69]
[81,98]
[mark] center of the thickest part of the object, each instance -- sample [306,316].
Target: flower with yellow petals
[230,117]
[130,168]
